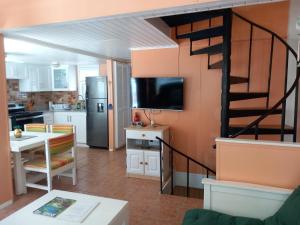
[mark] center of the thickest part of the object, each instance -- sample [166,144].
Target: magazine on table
[55,207]
[68,209]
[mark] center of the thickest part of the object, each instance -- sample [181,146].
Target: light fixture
[55,64]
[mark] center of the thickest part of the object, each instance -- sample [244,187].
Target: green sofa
[288,214]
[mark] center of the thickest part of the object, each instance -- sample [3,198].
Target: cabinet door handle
[141,163]
[143,135]
[146,163]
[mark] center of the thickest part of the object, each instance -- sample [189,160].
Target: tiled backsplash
[40,99]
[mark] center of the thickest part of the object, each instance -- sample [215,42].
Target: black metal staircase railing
[188,159]
[223,31]
[289,51]
[282,101]
[256,127]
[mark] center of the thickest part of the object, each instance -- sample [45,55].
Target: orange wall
[20,13]
[193,131]
[111,121]
[266,164]
[5,170]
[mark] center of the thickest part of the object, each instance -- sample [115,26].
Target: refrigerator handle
[100,107]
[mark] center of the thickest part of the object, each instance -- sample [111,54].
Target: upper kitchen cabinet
[38,79]
[46,78]
[64,78]
[15,70]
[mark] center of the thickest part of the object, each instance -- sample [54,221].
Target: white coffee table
[108,212]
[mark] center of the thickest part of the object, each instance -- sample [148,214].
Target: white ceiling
[111,38]
[21,52]
[100,38]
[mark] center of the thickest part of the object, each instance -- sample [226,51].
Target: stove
[19,116]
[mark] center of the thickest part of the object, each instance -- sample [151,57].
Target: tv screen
[157,93]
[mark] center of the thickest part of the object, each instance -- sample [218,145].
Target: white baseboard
[5,204]
[194,182]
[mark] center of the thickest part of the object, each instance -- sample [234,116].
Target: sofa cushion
[208,217]
[289,213]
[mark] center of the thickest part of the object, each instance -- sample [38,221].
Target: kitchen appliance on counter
[19,116]
[59,106]
[96,108]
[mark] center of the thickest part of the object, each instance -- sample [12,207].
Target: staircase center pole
[227,23]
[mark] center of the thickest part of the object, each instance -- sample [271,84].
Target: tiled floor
[102,173]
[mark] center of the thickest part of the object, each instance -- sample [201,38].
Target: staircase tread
[252,108]
[254,92]
[203,34]
[272,126]
[239,96]
[210,50]
[216,65]
[250,111]
[238,79]
[238,76]
[187,18]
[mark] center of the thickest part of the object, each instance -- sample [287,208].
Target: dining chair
[36,127]
[62,128]
[59,159]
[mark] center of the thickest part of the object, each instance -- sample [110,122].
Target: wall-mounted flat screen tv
[163,93]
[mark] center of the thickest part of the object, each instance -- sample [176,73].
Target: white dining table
[108,212]
[30,140]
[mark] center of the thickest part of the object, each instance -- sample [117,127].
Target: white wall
[293,39]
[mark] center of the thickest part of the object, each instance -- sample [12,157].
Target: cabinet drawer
[145,135]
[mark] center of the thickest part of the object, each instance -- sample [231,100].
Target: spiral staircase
[219,36]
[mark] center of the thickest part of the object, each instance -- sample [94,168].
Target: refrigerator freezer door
[96,87]
[97,123]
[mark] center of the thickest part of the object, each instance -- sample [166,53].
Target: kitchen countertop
[66,110]
[59,110]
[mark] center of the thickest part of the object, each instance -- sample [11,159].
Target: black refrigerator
[97,115]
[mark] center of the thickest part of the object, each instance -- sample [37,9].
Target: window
[83,72]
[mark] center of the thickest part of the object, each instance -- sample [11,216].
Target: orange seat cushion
[56,162]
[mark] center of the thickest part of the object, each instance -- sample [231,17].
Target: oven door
[19,122]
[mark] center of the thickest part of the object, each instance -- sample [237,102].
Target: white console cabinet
[143,152]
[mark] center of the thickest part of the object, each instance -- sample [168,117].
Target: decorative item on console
[136,120]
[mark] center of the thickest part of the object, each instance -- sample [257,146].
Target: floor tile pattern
[103,173]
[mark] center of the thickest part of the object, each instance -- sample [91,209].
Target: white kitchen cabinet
[135,162]
[64,78]
[145,163]
[41,78]
[44,78]
[143,152]
[78,119]
[151,162]
[9,124]
[61,118]
[15,70]
[48,118]
[38,79]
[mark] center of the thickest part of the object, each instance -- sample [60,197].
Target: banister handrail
[269,31]
[186,156]
[287,94]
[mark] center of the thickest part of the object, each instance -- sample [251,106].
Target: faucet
[82,98]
